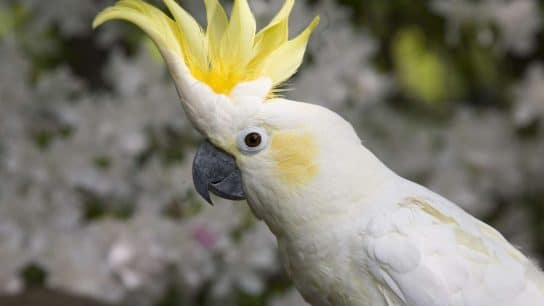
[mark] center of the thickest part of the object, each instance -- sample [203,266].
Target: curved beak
[216,171]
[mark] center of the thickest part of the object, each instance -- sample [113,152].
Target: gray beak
[216,171]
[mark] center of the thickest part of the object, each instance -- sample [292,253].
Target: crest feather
[229,52]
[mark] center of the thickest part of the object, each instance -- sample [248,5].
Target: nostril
[216,182]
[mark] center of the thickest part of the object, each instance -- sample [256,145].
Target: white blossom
[529,96]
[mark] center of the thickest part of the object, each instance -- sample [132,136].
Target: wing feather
[429,252]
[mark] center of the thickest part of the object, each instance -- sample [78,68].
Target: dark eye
[253,139]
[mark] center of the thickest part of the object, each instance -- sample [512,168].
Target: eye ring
[252,140]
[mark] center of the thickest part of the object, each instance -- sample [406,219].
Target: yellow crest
[229,51]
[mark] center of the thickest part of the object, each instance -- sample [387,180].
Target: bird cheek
[295,156]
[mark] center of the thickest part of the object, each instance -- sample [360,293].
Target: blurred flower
[349,78]
[247,265]
[72,17]
[518,21]
[289,298]
[480,161]
[529,96]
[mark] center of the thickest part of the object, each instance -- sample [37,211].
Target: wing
[429,252]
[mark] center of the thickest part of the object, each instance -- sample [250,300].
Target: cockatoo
[350,231]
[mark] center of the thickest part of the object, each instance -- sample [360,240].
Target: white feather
[358,234]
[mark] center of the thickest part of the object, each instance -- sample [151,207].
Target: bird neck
[346,185]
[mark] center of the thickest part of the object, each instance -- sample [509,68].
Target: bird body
[414,248]
[350,238]
[350,231]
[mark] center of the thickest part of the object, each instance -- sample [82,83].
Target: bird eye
[252,140]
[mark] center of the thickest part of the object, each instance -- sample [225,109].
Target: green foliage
[10,18]
[422,72]
[183,206]
[96,208]
[33,275]
[172,297]
[435,64]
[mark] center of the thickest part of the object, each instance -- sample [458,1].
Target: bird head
[260,146]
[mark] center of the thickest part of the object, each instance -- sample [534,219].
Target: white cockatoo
[350,231]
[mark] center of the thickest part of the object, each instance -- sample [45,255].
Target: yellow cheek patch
[295,155]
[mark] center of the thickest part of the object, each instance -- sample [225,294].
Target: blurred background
[96,198]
